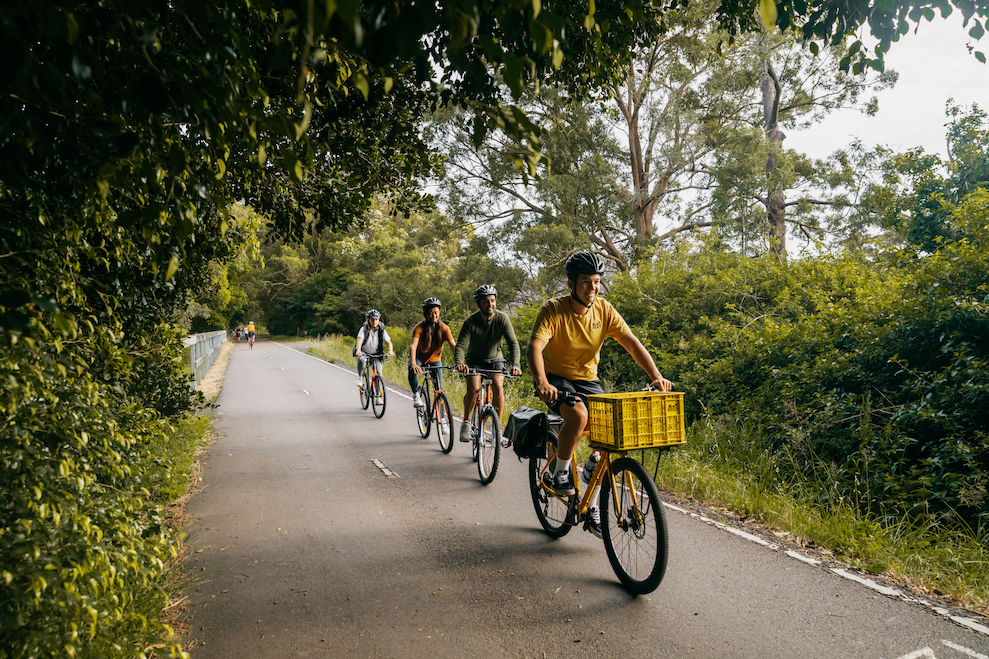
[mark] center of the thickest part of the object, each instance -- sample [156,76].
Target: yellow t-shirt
[573,342]
[250,327]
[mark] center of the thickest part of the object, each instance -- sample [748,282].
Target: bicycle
[372,389]
[435,407]
[486,435]
[250,340]
[633,523]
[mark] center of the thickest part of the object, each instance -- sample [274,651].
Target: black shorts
[585,387]
[488,364]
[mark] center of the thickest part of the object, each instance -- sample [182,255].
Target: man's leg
[574,420]
[498,393]
[473,386]
[360,369]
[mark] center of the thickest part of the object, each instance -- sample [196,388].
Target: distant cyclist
[564,351]
[372,337]
[250,331]
[479,346]
[428,338]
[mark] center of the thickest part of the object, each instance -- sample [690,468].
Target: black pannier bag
[527,430]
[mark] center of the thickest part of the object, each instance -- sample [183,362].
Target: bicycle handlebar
[488,371]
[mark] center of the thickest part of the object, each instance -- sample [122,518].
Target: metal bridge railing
[203,350]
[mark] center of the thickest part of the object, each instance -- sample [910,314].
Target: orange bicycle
[436,407]
[485,428]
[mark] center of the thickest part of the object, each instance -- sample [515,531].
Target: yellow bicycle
[633,524]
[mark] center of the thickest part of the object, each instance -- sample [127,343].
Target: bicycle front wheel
[378,396]
[634,527]
[550,509]
[423,416]
[474,423]
[488,444]
[444,423]
[365,391]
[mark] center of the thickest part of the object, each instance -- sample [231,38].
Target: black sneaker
[593,522]
[559,484]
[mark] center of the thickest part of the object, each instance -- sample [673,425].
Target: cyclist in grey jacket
[479,346]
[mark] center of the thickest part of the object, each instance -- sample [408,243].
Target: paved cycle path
[302,546]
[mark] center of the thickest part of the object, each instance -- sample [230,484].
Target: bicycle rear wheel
[550,509]
[378,396]
[444,423]
[635,534]
[488,444]
[424,416]
[365,390]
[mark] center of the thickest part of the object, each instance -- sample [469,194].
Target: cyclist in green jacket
[479,346]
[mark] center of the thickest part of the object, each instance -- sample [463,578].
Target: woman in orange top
[428,338]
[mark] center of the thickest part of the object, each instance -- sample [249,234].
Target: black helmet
[485,290]
[373,313]
[430,302]
[584,263]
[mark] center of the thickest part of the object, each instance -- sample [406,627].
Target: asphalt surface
[302,546]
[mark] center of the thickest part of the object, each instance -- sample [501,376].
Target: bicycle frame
[602,471]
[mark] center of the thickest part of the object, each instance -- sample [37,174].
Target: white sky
[934,65]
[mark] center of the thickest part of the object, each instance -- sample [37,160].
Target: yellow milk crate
[640,419]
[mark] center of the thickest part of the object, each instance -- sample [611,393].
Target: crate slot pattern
[644,419]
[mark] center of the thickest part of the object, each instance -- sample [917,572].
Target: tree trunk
[643,203]
[775,198]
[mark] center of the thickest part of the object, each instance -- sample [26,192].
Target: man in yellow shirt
[564,351]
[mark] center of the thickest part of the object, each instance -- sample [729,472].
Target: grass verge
[721,465]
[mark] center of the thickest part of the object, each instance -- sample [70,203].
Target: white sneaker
[360,382]
[417,399]
[465,434]
[593,522]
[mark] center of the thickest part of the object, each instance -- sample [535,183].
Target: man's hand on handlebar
[516,372]
[359,353]
[463,368]
[546,392]
[662,384]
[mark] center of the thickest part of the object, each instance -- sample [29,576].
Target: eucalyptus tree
[763,189]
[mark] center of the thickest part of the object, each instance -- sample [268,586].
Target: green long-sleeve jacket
[480,340]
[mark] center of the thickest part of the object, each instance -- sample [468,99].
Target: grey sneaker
[593,522]
[465,432]
[559,484]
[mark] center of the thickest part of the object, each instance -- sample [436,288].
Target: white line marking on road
[926,652]
[868,583]
[964,650]
[966,622]
[676,508]
[345,370]
[305,392]
[384,470]
[800,557]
